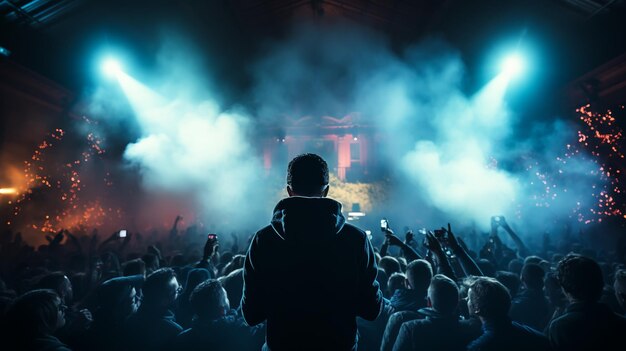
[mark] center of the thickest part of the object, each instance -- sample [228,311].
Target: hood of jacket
[295,217]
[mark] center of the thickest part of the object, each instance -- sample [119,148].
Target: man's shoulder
[404,316]
[352,231]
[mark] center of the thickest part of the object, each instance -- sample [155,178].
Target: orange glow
[8,191]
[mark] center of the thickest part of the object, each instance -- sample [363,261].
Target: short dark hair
[390,265]
[510,280]
[53,281]
[307,174]
[581,277]
[444,294]
[395,281]
[156,284]
[419,273]
[532,275]
[489,298]
[207,299]
[34,313]
[134,267]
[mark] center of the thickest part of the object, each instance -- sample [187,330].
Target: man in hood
[309,274]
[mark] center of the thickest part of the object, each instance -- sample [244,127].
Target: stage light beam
[111,67]
[513,65]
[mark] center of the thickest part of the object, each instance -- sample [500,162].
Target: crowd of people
[286,291]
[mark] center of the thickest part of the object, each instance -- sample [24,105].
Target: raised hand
[210,248]
[433,244]
[393,240]
[452,241]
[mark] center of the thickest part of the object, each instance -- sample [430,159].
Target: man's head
[307,175]
[395,282]
[443,294]
[580,278]
[418,275]
[37,312]
[134,267]
[209,300]
[117,297]
[161,288]
[390,265]
[620,287]
[532,276]
[59,283]
[510,280]
[488,299]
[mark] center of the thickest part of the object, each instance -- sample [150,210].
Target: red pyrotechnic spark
[63,182]
[602,138]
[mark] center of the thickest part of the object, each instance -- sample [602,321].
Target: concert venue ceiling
[54,37]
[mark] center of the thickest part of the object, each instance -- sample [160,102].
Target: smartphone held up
[384,225]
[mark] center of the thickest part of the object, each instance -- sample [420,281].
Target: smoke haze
[449,153]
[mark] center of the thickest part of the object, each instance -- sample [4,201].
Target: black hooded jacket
[309,274]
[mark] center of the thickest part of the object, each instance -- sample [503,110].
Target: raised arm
[522,250]
[407,250]
[210,248]
[467,263]
[440,258]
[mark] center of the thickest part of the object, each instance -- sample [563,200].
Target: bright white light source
[7,191]
[513,65]
[111,67]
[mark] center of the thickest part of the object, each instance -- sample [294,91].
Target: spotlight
[4,51]
[111,67]
[513,65]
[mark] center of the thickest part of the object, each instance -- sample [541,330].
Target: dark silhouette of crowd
[310,280]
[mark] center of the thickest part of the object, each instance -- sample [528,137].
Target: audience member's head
[194,278]
[515,266]
[390,265]
[488,299]
[532,259]
[151,262]
[37,312]
[487,267]
[532,276]
[161,289]
[443,294]
[510,280]
[225,257]
[117,298]
[403,263]
[396,281]
[178,261]
[134,267]
[620,287]
[418,275]
[307,175]
[59,283]
[581,278]
[556,258]
[209,300]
